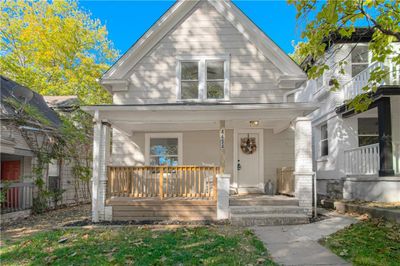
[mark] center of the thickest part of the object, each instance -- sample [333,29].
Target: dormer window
[203,78]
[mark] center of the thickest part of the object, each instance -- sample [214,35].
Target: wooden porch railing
[362,160]
[16,196]
[163,182]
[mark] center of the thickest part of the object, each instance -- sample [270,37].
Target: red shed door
[10,171]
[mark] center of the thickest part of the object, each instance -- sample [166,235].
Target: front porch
[372,157]
[182,163]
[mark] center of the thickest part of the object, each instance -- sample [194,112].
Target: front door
[248,164]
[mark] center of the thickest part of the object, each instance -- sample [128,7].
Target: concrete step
[266,210]
[268,219]
[264,202]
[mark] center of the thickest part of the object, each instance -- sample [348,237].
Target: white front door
[248,160]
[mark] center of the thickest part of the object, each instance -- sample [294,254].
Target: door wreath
[248,145]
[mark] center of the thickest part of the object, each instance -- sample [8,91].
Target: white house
[356,155]
[203,92]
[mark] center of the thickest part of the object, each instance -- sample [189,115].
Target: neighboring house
[17,152]
[203,91]
[356,155]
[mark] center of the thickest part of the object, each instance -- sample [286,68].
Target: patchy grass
[208,245]
[371,242]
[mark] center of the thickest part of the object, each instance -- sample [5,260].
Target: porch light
[254,123]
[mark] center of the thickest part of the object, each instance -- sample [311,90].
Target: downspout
[314,177]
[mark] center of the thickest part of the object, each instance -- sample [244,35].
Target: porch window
[324,148]
[367,131]
[163,149]
[359,59]
[203,78]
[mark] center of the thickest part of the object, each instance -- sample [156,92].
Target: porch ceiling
[199,116]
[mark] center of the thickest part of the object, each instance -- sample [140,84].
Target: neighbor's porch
[194,183]
[375,150]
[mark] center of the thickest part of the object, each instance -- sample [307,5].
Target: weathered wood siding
[204,31]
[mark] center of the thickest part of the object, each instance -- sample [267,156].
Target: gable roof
[9,87]
[117,72]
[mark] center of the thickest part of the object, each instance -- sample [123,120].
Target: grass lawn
[208,245]
[371,242]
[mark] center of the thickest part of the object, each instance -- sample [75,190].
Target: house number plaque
[222,138]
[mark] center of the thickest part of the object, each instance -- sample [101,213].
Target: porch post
[385,137]
[303,163]
[101,151]
[222,146]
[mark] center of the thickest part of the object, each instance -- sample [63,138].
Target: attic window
[203,78]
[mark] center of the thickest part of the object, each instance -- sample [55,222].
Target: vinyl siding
[253,77]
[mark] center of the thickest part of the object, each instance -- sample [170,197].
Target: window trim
[149,136]
[322,140]
[203,77]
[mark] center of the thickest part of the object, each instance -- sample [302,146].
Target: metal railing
[16,196]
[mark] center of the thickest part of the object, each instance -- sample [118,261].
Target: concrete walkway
[297,244]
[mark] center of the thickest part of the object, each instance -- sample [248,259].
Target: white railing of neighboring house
[355,86]
[396,157]
[16,196]
[362,160]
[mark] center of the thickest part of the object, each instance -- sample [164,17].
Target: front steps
[263,210]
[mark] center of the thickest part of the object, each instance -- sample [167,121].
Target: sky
[127,21]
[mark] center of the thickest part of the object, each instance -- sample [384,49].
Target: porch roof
[199,115]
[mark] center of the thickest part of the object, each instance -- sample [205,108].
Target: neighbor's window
[324,140]
[367,131]
[163,148]
[359,59]
[203,78]
[54,176]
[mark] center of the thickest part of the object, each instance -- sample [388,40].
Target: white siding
[203,32]
[201,148]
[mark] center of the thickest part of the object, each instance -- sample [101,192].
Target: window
[164,149]
[189,80]
[367,131]
[324,140]
[54,176]
[215,79]
[203,78]
[359,59]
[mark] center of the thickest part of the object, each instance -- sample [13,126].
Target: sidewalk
[297,244]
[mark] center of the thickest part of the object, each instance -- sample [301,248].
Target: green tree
[55,48]
[323,19]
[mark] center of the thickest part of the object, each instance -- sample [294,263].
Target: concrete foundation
[382,189]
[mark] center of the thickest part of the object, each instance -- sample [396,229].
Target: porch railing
[362,160]
[163,182]
[16,196]
[355,86]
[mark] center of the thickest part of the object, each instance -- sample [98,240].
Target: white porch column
[223,181]
[303,163]
[101,151]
